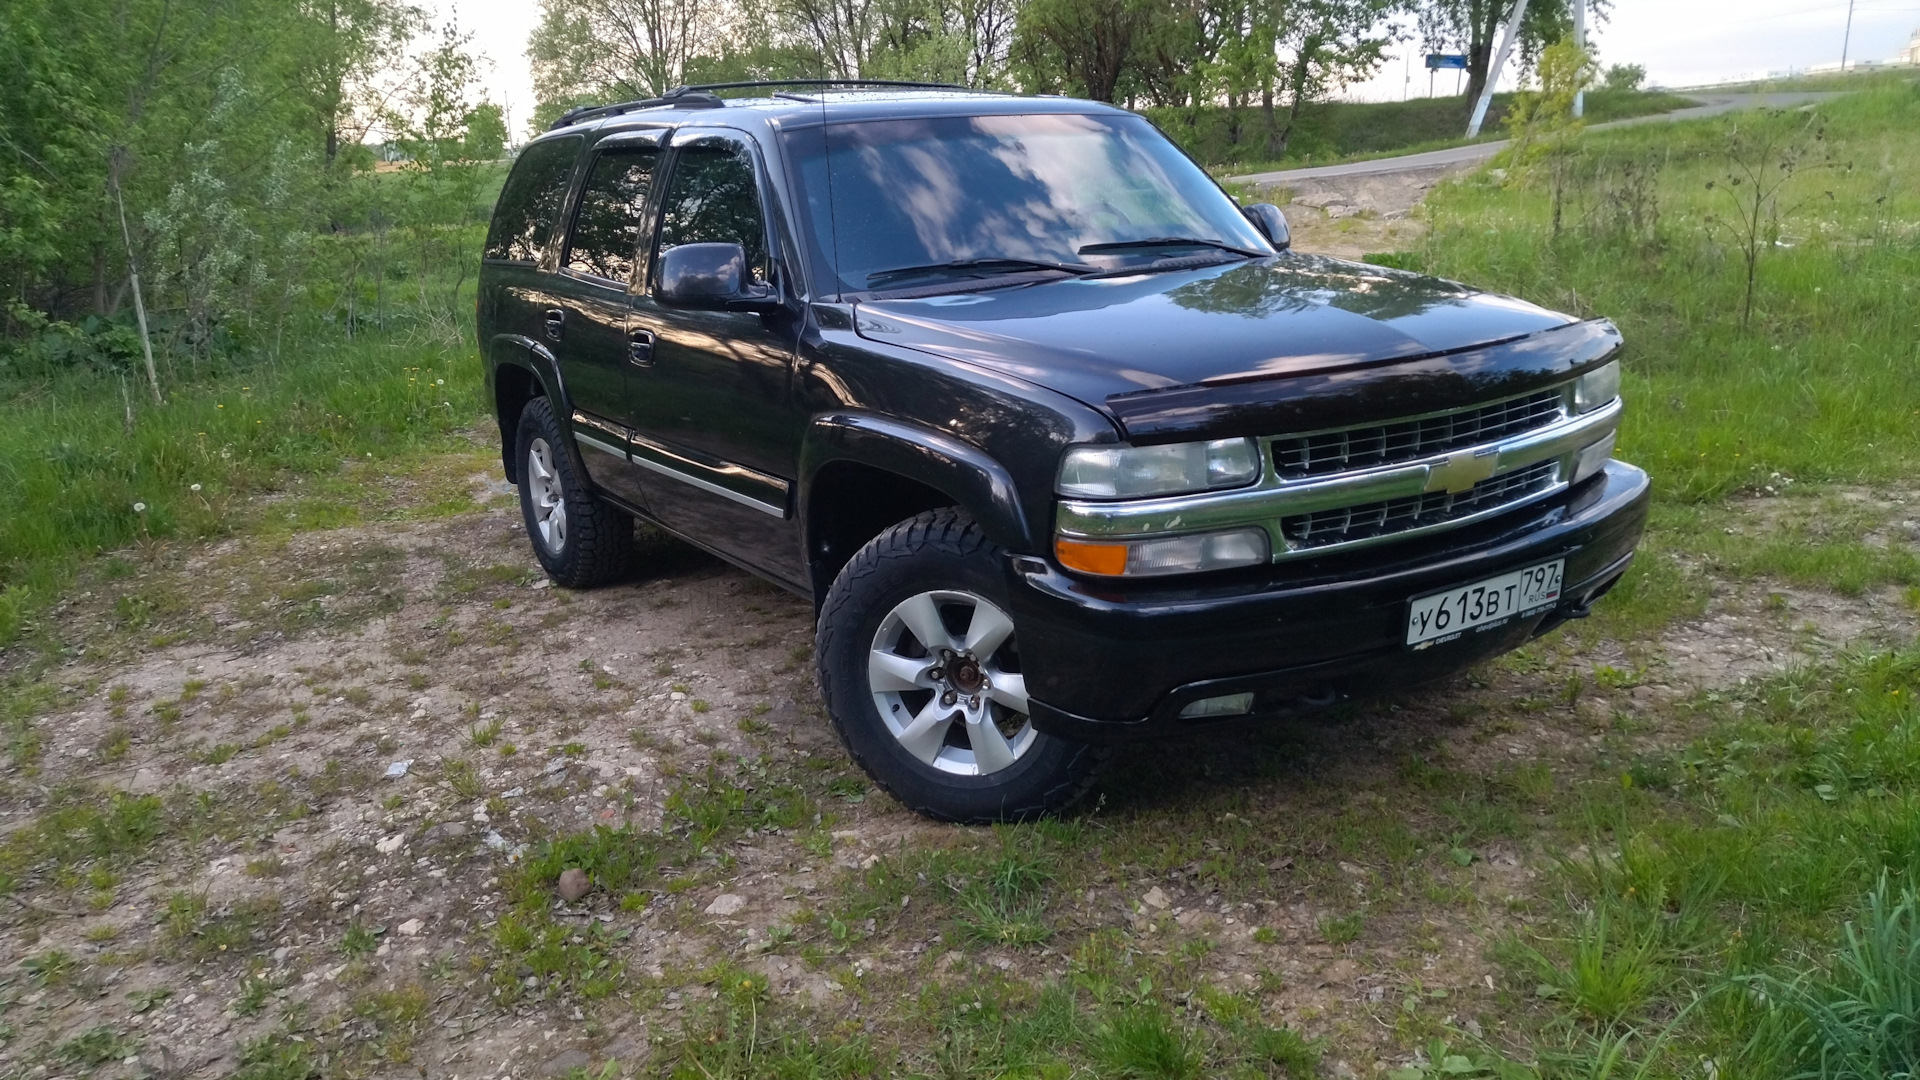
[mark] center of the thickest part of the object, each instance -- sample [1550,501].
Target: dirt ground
[1350,217]
[356,673]
[355,736]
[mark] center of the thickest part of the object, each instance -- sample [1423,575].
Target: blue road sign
[1436,61]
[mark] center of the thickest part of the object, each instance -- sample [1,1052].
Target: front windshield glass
[896,203]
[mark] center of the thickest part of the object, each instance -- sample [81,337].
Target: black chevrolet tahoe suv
[1066,447]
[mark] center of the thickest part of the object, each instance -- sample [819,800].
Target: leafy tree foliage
[1474,27]
[228,135]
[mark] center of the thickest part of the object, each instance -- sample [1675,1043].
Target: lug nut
[937,674]
[949,698]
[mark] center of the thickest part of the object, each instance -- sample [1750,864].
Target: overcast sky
[1681,42]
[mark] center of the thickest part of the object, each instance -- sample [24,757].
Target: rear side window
[714,200]
[531,200]
[606,227]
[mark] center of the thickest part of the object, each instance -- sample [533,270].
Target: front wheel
[920,664]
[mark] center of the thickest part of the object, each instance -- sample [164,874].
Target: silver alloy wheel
[549,499]
[949,697]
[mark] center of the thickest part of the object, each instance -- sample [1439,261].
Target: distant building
[1911,55]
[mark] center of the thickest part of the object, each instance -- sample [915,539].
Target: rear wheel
[580,540]
[920,663]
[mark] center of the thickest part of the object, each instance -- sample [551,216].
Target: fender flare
[517,350]
[964,472]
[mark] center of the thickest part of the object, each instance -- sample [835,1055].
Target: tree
[1474,26]
[1542,125]
[1082,46]
[1625,77]
[486,138]
[1327,44]
[620,50]
[342,45]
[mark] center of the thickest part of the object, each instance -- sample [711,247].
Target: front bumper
[1108,663]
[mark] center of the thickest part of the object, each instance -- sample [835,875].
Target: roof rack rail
[685,97]
[702,96]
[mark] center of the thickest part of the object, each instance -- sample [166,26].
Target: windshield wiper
[967,265]
[1167,241]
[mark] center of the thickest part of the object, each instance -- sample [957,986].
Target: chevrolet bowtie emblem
[1461,471]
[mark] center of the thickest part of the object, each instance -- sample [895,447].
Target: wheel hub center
[965,674]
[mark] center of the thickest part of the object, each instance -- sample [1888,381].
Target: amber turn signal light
[1107,559]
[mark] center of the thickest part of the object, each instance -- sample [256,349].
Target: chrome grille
[1372,445]
[1367,520]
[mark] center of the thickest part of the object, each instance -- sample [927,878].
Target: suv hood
[1130,337]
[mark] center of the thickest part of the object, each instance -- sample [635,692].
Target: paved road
[1710,105]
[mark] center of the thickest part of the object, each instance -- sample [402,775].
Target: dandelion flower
[195,488]
[139,508]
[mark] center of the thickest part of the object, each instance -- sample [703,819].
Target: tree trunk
[1274,146]
[1297,84]
[1479,58]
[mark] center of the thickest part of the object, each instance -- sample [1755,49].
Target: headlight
[1163,555]
[1596,388]
[1132,472]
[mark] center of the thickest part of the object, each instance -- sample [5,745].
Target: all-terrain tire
[595,542]
[937,550]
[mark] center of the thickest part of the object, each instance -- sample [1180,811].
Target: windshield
[903,203]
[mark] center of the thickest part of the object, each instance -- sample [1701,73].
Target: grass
[195,467]
[1334,131]
[1811,393]
[1719,886]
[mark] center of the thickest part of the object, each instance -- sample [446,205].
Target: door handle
[640,348]
[556,323]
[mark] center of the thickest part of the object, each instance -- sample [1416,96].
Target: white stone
[391,844]
[1156,899]
[410,927]
[726,904]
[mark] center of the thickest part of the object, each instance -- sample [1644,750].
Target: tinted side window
[531,200]
[606,227]
[714,200]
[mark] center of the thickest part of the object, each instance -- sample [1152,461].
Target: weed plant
[1816,388]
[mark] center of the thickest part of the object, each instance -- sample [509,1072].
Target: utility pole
[1580,42]
[1493,73]
[1846,41]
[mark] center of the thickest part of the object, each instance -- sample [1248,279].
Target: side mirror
[1271,222]
[709,276]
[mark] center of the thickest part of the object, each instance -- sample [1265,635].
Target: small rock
[574,884]
[391,844]
[1155,898]
[409,928]
[399,768]
[726,904]
[513,793]
[566,1061]
[628,1051]
[541,584]
[448,830]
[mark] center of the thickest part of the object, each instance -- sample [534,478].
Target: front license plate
[1483,605]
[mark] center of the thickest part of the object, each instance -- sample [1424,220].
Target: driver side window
[713,199]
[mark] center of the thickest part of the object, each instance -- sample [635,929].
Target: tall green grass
[1749,898]
[78,476]
[1822,385]
[1342,130]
